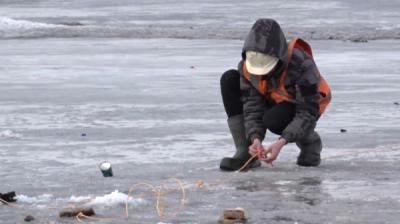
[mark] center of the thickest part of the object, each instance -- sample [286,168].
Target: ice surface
[143,109]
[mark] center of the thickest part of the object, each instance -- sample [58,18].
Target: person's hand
[255,147]
[269,155]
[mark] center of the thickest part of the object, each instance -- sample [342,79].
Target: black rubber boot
[236,126]
[311,147]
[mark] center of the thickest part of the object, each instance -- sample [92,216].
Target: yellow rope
[160,212]
[382,148]
[8,203]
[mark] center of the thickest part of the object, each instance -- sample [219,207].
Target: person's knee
[310,136]
[229,78]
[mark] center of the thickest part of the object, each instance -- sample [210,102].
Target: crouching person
[277,87]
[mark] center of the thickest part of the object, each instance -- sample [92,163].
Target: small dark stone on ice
[396,103]
[29,218]
[83,134]
[330,38]
[343,130]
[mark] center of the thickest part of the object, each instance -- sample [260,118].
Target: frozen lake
[146,111]
[86,81]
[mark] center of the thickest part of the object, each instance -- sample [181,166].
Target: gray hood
[266,37]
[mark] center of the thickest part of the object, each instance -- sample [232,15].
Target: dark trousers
[276,118]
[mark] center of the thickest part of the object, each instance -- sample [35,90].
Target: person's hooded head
[265,48]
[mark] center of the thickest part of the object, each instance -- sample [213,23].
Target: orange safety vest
[279,93]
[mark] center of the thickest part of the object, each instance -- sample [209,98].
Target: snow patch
[34,200]
[112,199]
[284,182]
[9,134]
[12,24]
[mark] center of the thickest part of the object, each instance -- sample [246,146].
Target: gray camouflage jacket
[301,82]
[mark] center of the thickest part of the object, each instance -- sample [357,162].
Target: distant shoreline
[63,31]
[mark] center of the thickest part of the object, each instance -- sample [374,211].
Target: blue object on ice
[83,134]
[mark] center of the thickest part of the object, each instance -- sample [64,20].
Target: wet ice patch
[34,200]
[356,190]
[9,134]
[112,199]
